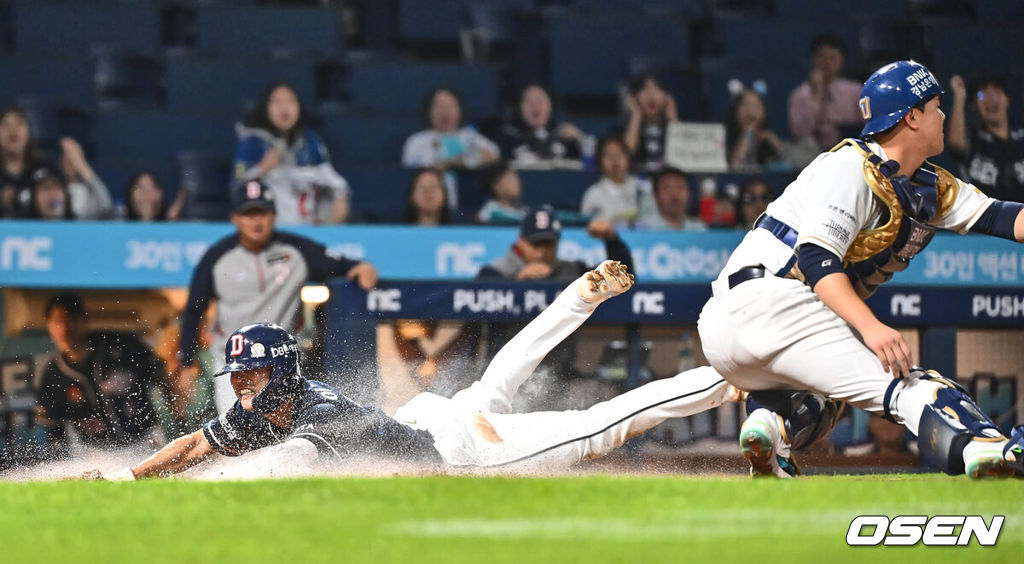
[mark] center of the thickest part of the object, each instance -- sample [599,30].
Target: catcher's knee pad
[807,416]
[951,422]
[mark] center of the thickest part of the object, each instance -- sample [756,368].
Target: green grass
[592,518]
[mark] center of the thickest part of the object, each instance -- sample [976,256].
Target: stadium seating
[226,84]
[66,81]
[443,20]
[611,41]
[894,10]
[999,11]
[780,45]
[357,138]
[399,88]
[431,21]
[156,134]
[955,48]
[74,28]
[378,192]
[247,31]
[562,189]
[138,83]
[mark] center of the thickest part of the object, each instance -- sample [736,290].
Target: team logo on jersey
[865,107]
[257,350]
[237,342]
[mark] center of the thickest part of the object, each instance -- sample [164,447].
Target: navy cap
[540,224]
[251,194]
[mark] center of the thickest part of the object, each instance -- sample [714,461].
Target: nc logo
[458,259]
[31,253]
[384,300]
[652,303]
[908,305]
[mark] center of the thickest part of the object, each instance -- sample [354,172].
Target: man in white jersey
[788,310]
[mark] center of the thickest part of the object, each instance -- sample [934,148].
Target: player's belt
[744,274]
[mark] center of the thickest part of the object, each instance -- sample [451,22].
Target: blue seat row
[51,28]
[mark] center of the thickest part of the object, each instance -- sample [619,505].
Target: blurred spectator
[505,188]
[145,198]
[672,201]
[825,106]
[446,144]
[750,143]
[618,197]
[19,158]
[754,197]
[90,198]
[99,383]
[255,274]
[724,211]
[434,354]
[991,155]
[50,197]
[533,139]
[426,201]
[651,109]
[276,145]
[534,256]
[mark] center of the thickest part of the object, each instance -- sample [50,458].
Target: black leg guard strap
[807,416]
[887,400]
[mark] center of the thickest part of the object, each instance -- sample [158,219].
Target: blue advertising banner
[133,255]
[647,303]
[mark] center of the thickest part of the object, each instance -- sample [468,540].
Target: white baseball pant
[775,333]
[476,427]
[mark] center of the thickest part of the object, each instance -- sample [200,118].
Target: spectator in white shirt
[618,197]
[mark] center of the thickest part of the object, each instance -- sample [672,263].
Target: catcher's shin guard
[949,424]
[807,416]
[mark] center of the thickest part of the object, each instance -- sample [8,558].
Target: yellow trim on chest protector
[870,242]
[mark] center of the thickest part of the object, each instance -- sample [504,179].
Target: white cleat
[608,280]
[986,459]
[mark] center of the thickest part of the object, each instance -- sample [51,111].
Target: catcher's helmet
[891,91]
[259,346]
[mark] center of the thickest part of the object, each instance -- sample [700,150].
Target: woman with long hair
[276,145]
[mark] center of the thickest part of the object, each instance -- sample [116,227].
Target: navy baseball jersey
[994,165]
[339,427]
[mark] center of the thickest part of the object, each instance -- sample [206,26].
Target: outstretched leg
[560,438]
[520,356]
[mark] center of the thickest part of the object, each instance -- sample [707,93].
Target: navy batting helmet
[891,91]
[265,345]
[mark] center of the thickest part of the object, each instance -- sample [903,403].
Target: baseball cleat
[609,279]
[1013,451]
[988,464]
[997,460]
[758,444]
